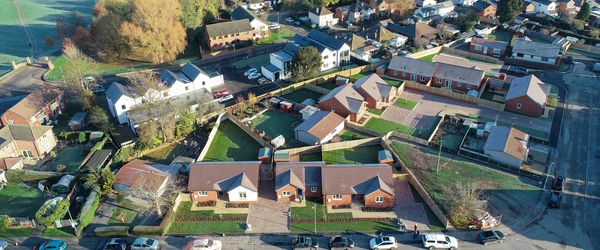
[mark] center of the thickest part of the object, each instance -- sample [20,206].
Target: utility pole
[315,214]
[437,168]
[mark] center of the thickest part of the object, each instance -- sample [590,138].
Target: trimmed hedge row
[109,231]
[210,218]
[237,205]
[323,220]
[86,216]
[147,230]
[62,207]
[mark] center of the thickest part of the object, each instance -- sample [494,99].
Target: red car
[220,93]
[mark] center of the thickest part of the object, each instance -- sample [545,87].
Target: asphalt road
[18,84]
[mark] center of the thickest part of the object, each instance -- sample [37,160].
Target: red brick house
[39,107]
[375,90]
[26,141]
[296,181]
[371,185]
[411,69]
[488,47]
[344,101]
[483,9]
[457,78]
[527,96]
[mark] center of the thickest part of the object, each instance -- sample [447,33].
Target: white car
[250,71]
[145,244]
[225,98]
[254,75]
[3,245]
[204,244]
[289,20]
[275,26]
[442,241]
[383,242]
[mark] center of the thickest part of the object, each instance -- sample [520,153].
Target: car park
[341,242]
[383,242]
[54,245]
[492,236]
[225,98]
[145,244]
[439,241]
[113,244]
[558,183]
[555,200]
[304,242]
[289,20]
[220,93]
[204,244]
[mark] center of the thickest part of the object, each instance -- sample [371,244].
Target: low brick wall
[324,220]
[211,218]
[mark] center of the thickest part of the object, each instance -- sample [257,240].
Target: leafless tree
[78,67]
[421,42]
[161,200]
[465,203]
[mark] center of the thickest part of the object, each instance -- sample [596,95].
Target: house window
[459,84]
[286,193]
[332,108]
[314,189]
[448,84]
[544,59]
[519,54]
[202,193]
[422,78]
[203,83]
[11,122]
[242,195]
[165,94]
[336,197]
[123,107]
[403,73]
[325,57]
[26,153]
[518,105]
[379,199]
[478,47]
[439,80]
[497,51]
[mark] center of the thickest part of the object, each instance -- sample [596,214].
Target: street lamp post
[315,217]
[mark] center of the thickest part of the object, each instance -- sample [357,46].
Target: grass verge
[405,104]
[232,144]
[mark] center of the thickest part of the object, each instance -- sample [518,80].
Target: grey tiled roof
[537,49]
[527,86]
[325,39]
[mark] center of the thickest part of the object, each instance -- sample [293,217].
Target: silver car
[145,244]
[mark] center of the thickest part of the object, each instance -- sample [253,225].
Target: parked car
[54,245]
[89,79]
[558,183]
[250,71]
[220,93]
[204,244]
[98,89]
[254,75]
[262,81]
[340,242]
[113,244]
[433,241]
[274,26]
[383,242]
[304,242]
[515,70]
[492,236]
[3,245]
[145,244]
[289,20]
[225,98]
[555,199]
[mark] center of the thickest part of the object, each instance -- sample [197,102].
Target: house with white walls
[228,181]
[321,17]
[548,7]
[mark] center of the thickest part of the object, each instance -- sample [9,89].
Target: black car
[515,70]
[492,236]
[558,183]
[304,242]
[340,242]
[569,60]
[113,244]
[555,199]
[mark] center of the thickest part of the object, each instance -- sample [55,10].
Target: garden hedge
[62,207]
[109,231]
[88,210]
[147,230]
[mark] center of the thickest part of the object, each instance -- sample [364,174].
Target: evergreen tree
[306,64]
[585,11]
[509,9]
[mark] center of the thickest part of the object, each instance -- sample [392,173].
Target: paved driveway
[17,85]
[410,212]
[268,215]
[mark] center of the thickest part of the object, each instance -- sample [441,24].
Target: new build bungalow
[488,47]
[526,96]
[231,181]
[345,101]
[139,175]
[507,145]
[319,128]
[371,184]
[375,90]
[525,51]
[37,108]
[406,68]
[296,181]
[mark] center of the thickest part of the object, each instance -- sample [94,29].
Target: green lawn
[356,155]
[321,211]
[500,36]
[428,58]
[166,154]
[275,123]
[302,94]
[23,201]
[348,135]
[311,157]
[58,232]
[71,157]
[451,141]
[458,171]
[405,104]
[375,111]
[253,62]
[203,227]
[128,211]
[232,144]
[281,35]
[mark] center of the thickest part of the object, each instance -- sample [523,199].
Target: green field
[275,123]
[405,104]
[98,68]
[23,201]
[282,35]
[300,95]
[40,17]
[355,155]
[232,144]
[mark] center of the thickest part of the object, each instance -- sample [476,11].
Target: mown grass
[405,104]
[355,155]
[232,144]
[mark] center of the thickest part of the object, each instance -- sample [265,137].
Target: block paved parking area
[409,212]
[429,107]
[267,215]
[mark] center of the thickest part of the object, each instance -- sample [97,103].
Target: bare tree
[421,42]
[465,203]
[159,200]
[77,72]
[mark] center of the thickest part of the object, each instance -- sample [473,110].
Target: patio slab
[267,215]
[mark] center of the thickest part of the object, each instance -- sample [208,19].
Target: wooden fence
[426,52]
[317,89]
[248,130]
[589,50]
[350,144]
[304,150]
[358,128]
[449,93]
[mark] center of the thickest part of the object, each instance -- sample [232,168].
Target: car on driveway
[204,244]
[145,244]
[491,236]
[555,200]
[254,75]
[304,242]
[220,93]
[514,70]
[262,81]
[53,245]
[558,183]
[439,241]
[113,244]
[289,20]
[341,242]
[383,242]
[225,98]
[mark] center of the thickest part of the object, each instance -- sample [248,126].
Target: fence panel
[350,144]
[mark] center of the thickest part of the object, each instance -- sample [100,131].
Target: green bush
[124,154]
[4,222]
[88,210]
[59,212]
[82,137]
[147,230]
[110,231]
[99,145]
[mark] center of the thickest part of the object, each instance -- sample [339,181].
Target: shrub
[42,217]
[82,138]
[237,205]
[207,203]
[147,230]
[124,154]
[88,210]
[377,209]
[52,154]
[109,231]
[120,198]
[341,206]
[99,145]
[4,222]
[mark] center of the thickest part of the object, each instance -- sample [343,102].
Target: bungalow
[220,35]
[345,101]
[414,31]
[319,128]
[375,90]
[140,175]
[484,8]
[370,184]
[233,181]
[29,141]
[526,95]
[507,146]
[410,69]
[457,78]
[547,7]
[40,107]
[296,181]
[441,9]
[488,47]
[527,51]
[321,17]
[260,27]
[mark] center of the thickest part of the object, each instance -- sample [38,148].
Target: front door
[413,77]
[448,84]
[485,50]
